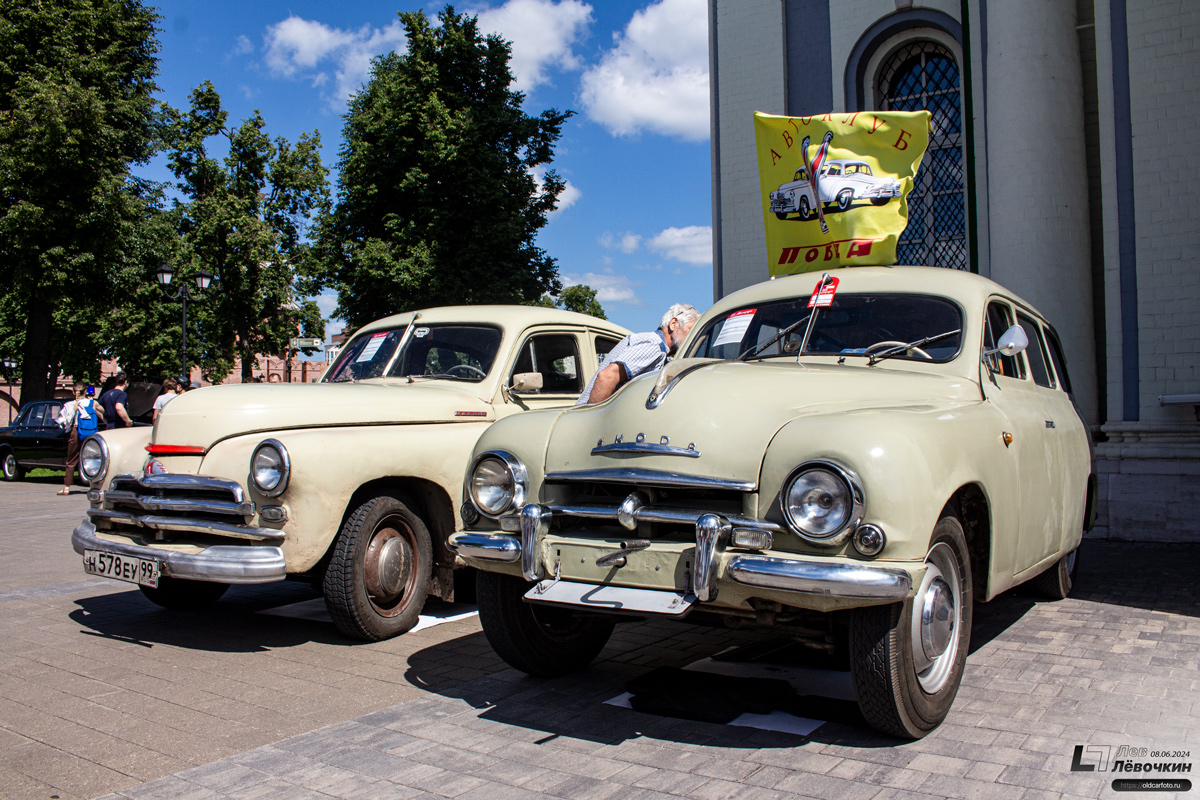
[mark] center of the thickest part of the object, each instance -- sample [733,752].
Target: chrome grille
[167,504]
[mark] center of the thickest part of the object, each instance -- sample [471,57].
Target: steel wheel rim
[390,569]
[10,465]
[941,589]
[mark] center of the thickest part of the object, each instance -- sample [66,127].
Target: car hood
[728,412]
[205,416]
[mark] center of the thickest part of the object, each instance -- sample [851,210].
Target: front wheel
[806,212]
[377,579]
[907,659]
[12,470]
[178,594]
[541,640]
[1056,583]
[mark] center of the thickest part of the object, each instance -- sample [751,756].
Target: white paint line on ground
[314,610]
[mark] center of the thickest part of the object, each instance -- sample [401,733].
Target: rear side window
[1058,359]
[1035,353]
[604,346]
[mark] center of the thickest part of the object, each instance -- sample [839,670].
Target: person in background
[81,417]
[639,353]
[116,403]
[171,387]
[274,377]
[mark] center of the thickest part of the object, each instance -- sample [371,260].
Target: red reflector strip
[174,450]
[470,413]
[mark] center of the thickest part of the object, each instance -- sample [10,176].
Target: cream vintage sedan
[353,483]
[853,471]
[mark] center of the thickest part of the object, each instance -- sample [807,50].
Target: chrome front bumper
[800,575]
[219,563]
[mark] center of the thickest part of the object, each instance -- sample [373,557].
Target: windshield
[447,352]
[853,325]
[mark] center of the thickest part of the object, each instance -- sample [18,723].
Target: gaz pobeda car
[842,181]
[852,475]
[354,482]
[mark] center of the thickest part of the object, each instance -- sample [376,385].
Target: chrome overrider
[219,563]
[713,534]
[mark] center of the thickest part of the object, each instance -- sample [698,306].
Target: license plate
[144,571]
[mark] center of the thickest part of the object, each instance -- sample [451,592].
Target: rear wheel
[178,594]
[1056,583]
[845,198]
[880,201]
[907,659]
[376,582]
[12,470]
[541,640]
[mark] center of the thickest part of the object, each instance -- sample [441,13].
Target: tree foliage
[578,297]
[437,202]
[76,109]
[243,218]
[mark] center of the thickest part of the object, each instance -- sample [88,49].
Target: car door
[1010,389]
[556,356]
[25,435]
[1073,437]
[52,439]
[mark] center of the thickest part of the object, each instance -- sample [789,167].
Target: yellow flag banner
[835,187]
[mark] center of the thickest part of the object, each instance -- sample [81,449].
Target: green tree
[243,218]
[76,109]
[579,297]
[436,200]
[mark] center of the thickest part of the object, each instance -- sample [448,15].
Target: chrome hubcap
[389,568]
[936,618]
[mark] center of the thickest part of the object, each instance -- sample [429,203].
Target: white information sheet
[735,327]
[372,347]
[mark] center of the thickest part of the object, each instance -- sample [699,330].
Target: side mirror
[1012,342]
[527,382]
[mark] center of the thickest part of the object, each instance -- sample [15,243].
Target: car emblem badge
[154,467]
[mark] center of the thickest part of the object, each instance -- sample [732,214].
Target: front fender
[126,451]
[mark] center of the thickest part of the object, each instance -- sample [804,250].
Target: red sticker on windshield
[822,296]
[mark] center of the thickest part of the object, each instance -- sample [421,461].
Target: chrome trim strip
[486,547]
[681,516]
[649,477]
[850,581]
[535,524]
[186,525]
[184,504]
[221,563]
[185,482]
[655,398]
[649,448]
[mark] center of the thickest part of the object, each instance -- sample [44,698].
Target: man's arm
[608,380]
[122,413]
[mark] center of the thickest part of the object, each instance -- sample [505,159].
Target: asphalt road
[102,692]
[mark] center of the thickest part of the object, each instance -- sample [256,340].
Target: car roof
[504,316]
[969,289]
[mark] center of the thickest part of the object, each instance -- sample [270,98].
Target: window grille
[924,75]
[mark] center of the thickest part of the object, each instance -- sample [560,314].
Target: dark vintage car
[33,440]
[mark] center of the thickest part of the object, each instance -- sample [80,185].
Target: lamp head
[163,274]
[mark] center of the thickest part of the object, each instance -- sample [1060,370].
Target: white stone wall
[750,78]
[1164,84]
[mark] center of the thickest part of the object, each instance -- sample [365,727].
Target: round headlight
[93,458]
[498,483]
[270,468]
[820,501]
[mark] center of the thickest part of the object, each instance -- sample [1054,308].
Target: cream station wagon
[354,482]
[853,473]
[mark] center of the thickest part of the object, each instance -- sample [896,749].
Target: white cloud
[656,76]
[625,242]
[297,47]
[610,287]
[243,47]
[566,198]
[542,33]
[691,245]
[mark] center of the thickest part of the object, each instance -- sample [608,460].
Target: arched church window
[924,75]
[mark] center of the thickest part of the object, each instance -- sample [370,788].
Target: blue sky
[635,221]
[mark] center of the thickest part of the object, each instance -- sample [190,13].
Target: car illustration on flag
[841,182]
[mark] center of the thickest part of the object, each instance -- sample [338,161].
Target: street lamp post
[9,366]
[163,275]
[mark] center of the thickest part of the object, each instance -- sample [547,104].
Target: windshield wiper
[753,351]
[900,348]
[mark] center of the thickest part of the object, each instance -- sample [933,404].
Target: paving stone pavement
[100,691]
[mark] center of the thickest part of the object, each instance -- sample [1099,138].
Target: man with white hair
[639,353]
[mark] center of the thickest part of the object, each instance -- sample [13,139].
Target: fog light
[469,513]
[752,539]
[869,540]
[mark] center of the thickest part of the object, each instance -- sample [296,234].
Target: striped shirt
[639,353]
